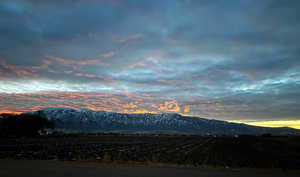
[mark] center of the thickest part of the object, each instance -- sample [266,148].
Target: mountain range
[85,120]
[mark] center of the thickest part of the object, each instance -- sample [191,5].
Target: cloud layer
[218,59]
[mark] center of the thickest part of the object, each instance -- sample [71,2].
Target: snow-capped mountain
[86,120]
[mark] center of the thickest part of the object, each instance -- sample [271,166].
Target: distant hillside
[85,120]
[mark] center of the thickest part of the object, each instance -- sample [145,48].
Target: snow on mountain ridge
[59,112]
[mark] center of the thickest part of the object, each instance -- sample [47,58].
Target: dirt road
[35,168]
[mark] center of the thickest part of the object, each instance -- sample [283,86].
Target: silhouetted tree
[23,124]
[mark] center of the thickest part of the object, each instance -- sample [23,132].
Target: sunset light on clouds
[236,60]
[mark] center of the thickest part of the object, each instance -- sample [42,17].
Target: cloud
[13,70]
[218,59]
[117,102]
[33,86]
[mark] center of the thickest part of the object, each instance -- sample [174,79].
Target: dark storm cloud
[223,59]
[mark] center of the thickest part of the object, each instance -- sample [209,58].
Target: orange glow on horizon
[186,109]
[139,111]
[9,112]
[276,123]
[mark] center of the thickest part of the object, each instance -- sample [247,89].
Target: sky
[228,60]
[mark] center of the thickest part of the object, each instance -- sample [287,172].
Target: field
[180,151]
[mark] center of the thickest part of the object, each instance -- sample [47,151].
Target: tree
[23,124]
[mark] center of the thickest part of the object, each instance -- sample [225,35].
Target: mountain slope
[100,121]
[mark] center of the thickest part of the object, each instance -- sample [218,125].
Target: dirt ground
[37,168]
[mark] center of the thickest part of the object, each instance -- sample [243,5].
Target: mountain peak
[87,120]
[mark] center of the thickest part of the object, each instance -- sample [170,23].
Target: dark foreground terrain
[185,151]
[27,168]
